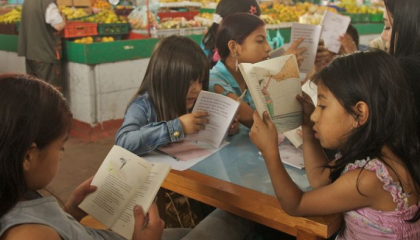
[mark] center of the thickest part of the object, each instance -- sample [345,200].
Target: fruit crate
[376,17]
[113,28]
[80,29]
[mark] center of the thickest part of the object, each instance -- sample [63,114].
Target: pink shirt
[370,224]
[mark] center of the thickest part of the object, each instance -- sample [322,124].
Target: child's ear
[31,155]
[233,47]
[362,111]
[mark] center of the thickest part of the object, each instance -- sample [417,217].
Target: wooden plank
[247,203]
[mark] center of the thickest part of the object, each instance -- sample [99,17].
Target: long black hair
[175,62]
[237,27]
[32,111]
[375,78]
[224,8]
[405,21]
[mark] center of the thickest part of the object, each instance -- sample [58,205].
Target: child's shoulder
[30,231]
[141,99]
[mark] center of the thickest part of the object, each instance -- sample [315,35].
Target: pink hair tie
[216,56]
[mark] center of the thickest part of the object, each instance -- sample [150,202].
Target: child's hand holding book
[194,122]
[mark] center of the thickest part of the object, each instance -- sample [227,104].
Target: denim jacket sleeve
[140,133]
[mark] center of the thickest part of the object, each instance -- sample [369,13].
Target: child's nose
[314,115]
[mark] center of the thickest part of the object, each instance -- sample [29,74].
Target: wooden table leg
[302,235]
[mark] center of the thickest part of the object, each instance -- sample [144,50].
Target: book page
[275,83]
[333,26]
[291,155]
[184,151]
[293,137]
[254,87]
[117,179]
[311,33]
[221,110]
[144,197]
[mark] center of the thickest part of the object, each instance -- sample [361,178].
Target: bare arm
[313,154]
[60,26]
[244,111]
[337,197]
[30,232]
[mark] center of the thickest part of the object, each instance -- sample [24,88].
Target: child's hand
[296,50]
[234,127]
[322,56]
[308,108]
[193,122]
[263,133]
[148,227]
[72,205]
[347,43]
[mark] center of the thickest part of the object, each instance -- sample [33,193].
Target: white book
[222,111]
[273,85]
[311,33]
[333,26]
[123,180]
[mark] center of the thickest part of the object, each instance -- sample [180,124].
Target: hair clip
[216,57]
[253,10]
[217,18]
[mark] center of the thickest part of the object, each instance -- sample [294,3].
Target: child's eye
[321,106]
[387,28]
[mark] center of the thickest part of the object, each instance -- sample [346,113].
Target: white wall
[97,93]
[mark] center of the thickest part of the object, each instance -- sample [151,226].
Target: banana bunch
[11,17]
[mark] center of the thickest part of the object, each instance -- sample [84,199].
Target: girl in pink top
[365,112]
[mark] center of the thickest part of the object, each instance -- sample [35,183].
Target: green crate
[376,17]
[113,28]
[207,10]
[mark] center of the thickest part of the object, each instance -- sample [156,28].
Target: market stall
[106,54]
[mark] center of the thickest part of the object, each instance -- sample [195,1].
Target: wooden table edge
[228,196]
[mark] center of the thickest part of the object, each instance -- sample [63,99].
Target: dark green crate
[376,17]
[103,52]
[113,28]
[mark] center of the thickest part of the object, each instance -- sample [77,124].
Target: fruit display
[279,13]
[106,16]
[12,16]
[174,23]
[205,19]
[89,40]
[71,13]
[138,19]
[100,5]
[85,40]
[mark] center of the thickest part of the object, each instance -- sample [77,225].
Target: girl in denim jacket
[159,113]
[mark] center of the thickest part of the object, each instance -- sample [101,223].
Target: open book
[273,85]
[333,26]
[222,111]
[123,180]
[311,33]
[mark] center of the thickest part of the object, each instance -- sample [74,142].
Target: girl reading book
[159,113]
[34,128]
[364,111]
[242,38]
